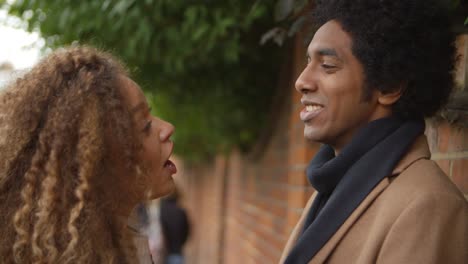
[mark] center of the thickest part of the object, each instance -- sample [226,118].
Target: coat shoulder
[424,178]
[391,229]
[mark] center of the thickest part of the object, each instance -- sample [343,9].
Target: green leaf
[283,9]
[201,64]
[296,26]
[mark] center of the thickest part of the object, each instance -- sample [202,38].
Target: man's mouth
[313,108]
[310,111]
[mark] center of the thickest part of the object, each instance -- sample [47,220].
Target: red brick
[275,208]
[460,174]
[443,135]
[444,165]
[297,178]
[296,198]
[296,136]
[312,149]
[292,219]
[296,96]
[279,193]
[458,140]
[298,155]
[281,177]
[296,108]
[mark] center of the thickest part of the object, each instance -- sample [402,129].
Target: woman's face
[155,137]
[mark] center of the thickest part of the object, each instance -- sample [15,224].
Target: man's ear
[389,98]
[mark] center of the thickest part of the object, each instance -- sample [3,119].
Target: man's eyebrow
[327,52]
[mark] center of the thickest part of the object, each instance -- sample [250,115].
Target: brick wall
[243,207]
[204,195]
[449,147]
[263,193]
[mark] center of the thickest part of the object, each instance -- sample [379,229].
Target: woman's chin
[162,190]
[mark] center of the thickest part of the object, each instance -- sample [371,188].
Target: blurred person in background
[175,227]
[139,222]
[145,221]
[154,233]
[79,149]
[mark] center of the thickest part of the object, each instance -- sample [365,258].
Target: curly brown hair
[61,125]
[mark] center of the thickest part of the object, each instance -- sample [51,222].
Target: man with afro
[375,69]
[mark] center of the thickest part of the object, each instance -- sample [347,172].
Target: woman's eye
[147,127]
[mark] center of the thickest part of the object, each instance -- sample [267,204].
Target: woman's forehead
[133,95]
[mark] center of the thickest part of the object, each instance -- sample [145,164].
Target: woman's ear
[389,98]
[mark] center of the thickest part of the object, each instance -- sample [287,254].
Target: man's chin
[312,136]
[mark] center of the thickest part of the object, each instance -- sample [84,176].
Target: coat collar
[419,150]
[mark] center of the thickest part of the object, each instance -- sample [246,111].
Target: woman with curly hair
[79,149]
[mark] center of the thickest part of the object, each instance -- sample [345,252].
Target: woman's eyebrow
[139,107]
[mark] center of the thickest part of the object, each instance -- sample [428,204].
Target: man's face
[332,87]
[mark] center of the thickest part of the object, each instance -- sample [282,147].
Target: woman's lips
[170,166]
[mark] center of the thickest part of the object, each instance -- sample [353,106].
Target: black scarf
[342,182]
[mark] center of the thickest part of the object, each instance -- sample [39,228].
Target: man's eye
[328,66]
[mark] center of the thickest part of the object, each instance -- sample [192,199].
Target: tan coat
[417,215]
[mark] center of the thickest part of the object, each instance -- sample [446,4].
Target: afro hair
[402,44]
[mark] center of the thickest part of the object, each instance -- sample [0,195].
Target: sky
[17,46]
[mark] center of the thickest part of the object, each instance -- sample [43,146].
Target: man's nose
[305,82]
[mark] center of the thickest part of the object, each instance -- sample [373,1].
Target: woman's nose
[167,129]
